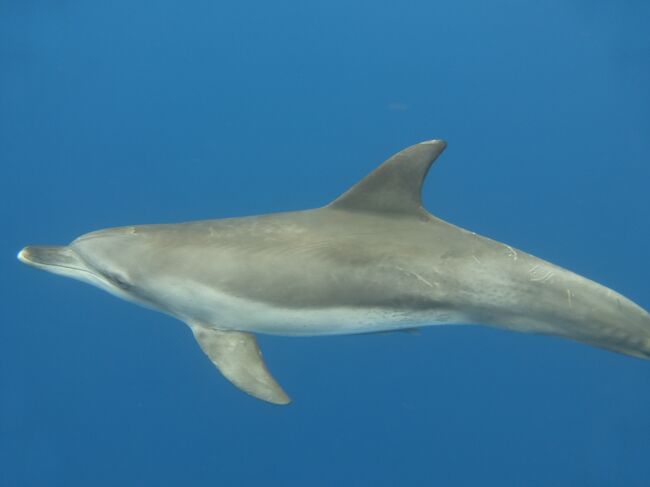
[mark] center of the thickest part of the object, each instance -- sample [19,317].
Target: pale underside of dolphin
[372,260]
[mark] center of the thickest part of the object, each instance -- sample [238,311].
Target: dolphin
[372,260]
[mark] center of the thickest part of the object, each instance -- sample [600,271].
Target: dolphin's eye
[118,281]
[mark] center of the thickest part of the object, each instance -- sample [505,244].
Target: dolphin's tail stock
[608,320]
[623,328]
[563,303]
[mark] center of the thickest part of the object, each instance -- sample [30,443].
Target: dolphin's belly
[211,306]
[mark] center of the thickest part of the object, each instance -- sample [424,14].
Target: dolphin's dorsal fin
[396,185]
[236,355]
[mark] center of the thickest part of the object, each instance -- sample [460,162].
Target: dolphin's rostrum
[372,260]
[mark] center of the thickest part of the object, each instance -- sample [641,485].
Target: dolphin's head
[103,259]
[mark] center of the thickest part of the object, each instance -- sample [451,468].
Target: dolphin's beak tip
[23,255]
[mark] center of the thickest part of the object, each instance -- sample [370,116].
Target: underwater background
[128,112]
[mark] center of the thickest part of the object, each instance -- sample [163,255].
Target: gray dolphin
[372,260]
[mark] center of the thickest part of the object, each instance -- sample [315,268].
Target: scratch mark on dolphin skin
[511,252]
[569,296]
[417,276]
[476,259]
[422,279]
[544,278]
[537,278]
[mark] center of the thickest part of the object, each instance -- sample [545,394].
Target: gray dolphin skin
[372,260]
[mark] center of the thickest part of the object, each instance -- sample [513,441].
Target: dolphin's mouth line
[27,256]
[76,269]
[65,261]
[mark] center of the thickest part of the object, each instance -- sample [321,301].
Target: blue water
[126,112]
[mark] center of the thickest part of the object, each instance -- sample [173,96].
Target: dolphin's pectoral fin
[395,186]
[237,356]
